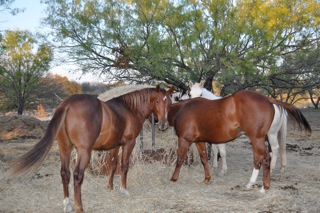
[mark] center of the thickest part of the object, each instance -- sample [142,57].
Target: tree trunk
[20,107]
[20,110]
[208,83]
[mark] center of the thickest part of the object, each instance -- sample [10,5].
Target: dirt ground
[295,190]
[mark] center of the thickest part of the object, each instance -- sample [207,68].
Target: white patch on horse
[178,96]
[124,191]
[68,206]
[253,179]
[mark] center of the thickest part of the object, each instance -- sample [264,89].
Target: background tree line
[268,46]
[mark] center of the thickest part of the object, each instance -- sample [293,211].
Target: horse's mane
[134,99]
[121,90]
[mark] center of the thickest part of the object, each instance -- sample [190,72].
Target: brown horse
[201,146]
[86,123]
[223,120]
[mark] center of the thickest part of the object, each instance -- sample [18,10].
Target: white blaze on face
[165,110]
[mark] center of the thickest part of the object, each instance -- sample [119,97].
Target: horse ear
[171,90]
[190,84]
[202,83]
[158,88]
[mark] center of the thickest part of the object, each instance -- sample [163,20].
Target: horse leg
[201,146]
[273,140]
[282,137]
[266,171]
[255,172]
[223,153]
[126,152]
[83,160]
[261,157]
[113,167]
[65,148]
[183,146]
[214,148]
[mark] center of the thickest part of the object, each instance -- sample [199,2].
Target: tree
[5,6]
[237,43]
[298,74]
[23,62]
[54,88]
[93,88]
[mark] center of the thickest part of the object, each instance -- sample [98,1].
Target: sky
[30,20]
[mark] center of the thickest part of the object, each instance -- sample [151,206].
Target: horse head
[161,106]
[179,96]
[195,89]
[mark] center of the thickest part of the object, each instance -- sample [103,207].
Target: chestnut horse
[201,146]
[86,123]
[223,120]
[276,136]
[197,90]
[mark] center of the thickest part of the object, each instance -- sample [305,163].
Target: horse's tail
[30,161]
[294,113]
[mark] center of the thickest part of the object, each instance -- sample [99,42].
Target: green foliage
[237,43]
[23,63]
[299,72]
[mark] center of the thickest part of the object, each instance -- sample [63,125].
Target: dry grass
[297,190]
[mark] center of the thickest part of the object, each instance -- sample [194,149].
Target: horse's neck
[209,95]
[138,105]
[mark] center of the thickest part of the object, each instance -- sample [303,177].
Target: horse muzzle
[163,125]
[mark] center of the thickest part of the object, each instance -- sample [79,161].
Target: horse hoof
[222,173]
[262,190]
[68,207]
[125,192]
[173,179]
[248,187]
[206,181]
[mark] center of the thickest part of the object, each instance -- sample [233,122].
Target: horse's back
[252,103]
[253,110]
[222,120]
[206,120]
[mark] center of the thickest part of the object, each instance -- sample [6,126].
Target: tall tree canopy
[22,63]
[238,43]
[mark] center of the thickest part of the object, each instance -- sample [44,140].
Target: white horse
[178,96]
[277,135]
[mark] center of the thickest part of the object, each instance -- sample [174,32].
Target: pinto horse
[223,120]
[178,96]
[86,123]
[276,136]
